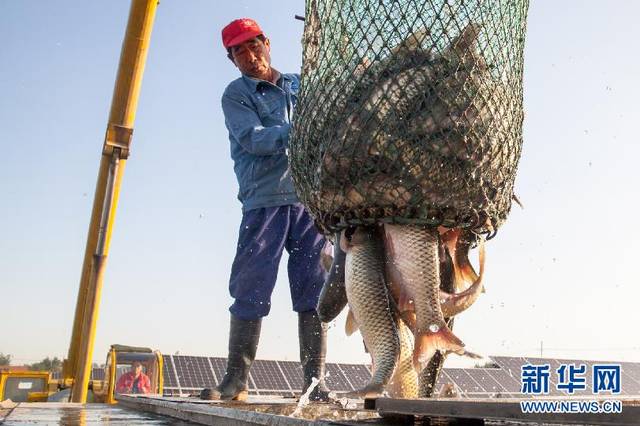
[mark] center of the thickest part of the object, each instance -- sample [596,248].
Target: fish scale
[414,253]
[404,383]
[419,266]
[369,302]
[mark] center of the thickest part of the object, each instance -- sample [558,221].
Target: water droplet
[434,328]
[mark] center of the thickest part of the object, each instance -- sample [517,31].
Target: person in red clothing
[134,381]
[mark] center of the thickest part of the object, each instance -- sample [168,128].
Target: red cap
[239,31]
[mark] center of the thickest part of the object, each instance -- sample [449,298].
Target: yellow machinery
[24,386]
[127,366]
[128,370]
[76,371]
[115,151]
[77,367]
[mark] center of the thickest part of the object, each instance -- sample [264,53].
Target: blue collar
[254,83]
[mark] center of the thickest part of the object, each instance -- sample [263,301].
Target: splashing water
[348,404]
[304,399]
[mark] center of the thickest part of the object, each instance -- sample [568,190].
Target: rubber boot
[243,343]
[313,349]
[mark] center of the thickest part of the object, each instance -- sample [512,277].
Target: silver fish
[414,253]
[404,383]
[370,305]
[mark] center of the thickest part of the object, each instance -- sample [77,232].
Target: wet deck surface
[279,412]
[257,410]
[133,410]
[67,414]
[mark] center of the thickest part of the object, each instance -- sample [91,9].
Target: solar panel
[357,374]
[336,381]
[219,367]
[462,379]
[293,373]
[630,378]
[506,380]
[554,377]
[511,365]
[167,372]
[631,369]
[285,377]
[193,372]
[97,374]
[267,376]
[506,363]
[589,375]
[554,364]
[628,385]
[488,383]
[445,379]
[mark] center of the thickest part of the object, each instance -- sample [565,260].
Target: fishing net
[410,111]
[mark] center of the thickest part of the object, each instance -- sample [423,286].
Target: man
[258,109]
[134,381]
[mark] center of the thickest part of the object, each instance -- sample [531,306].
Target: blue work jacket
[258,116]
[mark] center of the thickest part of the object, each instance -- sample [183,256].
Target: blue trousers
[264,233]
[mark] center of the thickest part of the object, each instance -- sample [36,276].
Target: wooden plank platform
[501,410]
[256,411]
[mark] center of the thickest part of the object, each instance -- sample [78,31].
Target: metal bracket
[117,137]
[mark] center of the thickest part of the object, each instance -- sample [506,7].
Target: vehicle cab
[129,370]
[21,385]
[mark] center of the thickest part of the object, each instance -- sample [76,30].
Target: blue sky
[561,271]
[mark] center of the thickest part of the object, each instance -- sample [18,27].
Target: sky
[560,276]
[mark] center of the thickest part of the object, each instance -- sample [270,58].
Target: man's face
[252,58]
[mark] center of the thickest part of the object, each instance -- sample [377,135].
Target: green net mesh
[410,111]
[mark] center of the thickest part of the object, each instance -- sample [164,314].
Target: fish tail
[453,304]
[451,240]
[372,390]
[466,271]
[427,343]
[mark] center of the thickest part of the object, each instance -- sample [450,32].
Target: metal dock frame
[476,411]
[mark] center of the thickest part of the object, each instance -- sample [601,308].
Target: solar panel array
[189,374]
[505,381]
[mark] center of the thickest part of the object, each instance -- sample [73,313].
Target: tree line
[47,364]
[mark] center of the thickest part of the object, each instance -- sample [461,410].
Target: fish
[404,383]
[402,118]
[370,305]
[428,377]
[413,250]
[467,283]
[333,296]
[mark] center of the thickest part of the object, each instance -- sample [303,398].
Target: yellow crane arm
[77,366]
